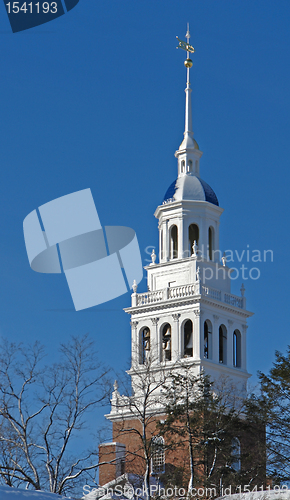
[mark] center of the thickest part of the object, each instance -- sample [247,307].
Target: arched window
[183,166]
[222,344]
[173,242]
[144,344]
[210,242]
[237,349]
[207,337]
[157,455]
[188,338]
[190,166]
[166,342]
[193,235]
[236,454]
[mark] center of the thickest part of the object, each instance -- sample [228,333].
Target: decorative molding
[134,324]
[197,313]
[215,317]
[176,316]
[154,321]
[162,306]
[244,327]
[230,322]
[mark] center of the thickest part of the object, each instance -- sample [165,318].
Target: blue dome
[190,187]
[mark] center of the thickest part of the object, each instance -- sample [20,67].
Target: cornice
[183,204]
[185,301]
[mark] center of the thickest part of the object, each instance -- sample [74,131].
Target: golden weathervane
[187,47]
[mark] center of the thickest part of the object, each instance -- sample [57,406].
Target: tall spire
[188,152]
[188,111]
[188,141]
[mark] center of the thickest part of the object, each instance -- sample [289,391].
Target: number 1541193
[45,7]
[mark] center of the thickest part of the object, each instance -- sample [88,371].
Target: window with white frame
[173,242]
[236,454]
[223,344]
[237,348]
[144,344]
[157,455]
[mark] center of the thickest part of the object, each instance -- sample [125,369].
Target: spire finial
[188,64]
[189,49]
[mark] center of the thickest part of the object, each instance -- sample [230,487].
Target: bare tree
[42,410]
[140,410]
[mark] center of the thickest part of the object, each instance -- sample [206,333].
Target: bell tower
[189,314]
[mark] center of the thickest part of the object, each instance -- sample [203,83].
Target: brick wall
[115,454]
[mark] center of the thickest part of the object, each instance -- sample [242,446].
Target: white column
[180,239]
[163,256]
[215,339]
[155,342]
[230,345]
[166,249]
[196,337]
[186,251]
[202,243]
[244,347]
[175,339]
[135,343]
[217,237]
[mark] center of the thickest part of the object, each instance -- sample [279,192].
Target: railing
[233,300]
[211,292]
[181,291]
[176,292]
[149,297]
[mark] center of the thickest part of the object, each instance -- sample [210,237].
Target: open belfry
[188,318]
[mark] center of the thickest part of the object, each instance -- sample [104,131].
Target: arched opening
[193,235]
[188,338]
[237,348]
[236,454]
[190,166]
[183,166]
[207,337]
[173,242]
[157,455]
[144,344]
[166,342]
[210,242]
[222,344]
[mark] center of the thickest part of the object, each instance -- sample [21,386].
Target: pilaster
[176,338]
[230,346]
[180,239]
[244,346]
[135,343]
[215,339]
[155,352]
[197,334]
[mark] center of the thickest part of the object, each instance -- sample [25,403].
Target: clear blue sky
[96,99]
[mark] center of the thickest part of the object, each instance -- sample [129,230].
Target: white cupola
[190,210]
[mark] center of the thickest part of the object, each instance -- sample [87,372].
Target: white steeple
[188,153]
